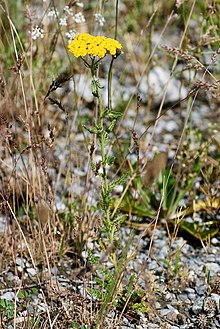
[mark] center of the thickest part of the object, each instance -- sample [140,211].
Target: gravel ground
[181,282]
[180,299]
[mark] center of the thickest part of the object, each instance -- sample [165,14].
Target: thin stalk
[116,19]
[110,85]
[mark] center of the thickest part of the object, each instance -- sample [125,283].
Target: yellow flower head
[85,44]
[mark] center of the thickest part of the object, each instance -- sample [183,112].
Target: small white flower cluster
[68,10]
[70,35]
[79,18]
[37,33]
[63,21]
[53,13]
[179,3]
[99,19]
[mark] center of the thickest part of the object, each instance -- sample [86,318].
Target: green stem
[102,137]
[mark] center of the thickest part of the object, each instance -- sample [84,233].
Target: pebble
[10,295]
[164,312]
[31,271]
[20,262]
[213,268]
[197,305]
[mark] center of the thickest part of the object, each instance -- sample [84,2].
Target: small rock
[157,305]
[216,297]
[192,296]
[151,326]
[181,318]
[164,312]
[172,316]
[10,295]
[197,306]
[190,290]
[20,262]
[10,276]
[31,271]
[171,126]
[213,268]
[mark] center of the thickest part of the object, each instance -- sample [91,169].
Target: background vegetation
[52,204]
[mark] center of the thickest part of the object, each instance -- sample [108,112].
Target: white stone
[31,271]
[10,295]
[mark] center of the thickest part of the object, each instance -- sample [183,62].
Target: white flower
[99,19]
[179,3]
[63,21]
[52,12]
[79,18]
[37,33]
[70,35]
[79,4]
[68,10]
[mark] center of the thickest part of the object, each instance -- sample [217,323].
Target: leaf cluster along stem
[102,137]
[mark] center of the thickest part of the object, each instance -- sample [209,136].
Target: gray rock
[10,295]
[31,271]
[20,261]
[213,268]
[164,312]
[190,290]
[216,297]
[172,316]
[151,326]
[10,276]
[192,296]
[197,305]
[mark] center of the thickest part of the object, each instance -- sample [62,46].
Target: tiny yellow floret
[86,44]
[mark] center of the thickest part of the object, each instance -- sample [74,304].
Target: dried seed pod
[215,284]
[202,321]
[210,307]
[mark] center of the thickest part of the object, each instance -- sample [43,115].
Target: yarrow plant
[97,47]
[92,49]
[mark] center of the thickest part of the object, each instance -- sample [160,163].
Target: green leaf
[199,231]
[110,160]
[114,115]
[129,205]
[92,130]
[111,126]
[95,86]
[118,182]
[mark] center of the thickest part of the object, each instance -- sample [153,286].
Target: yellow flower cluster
[85,44]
